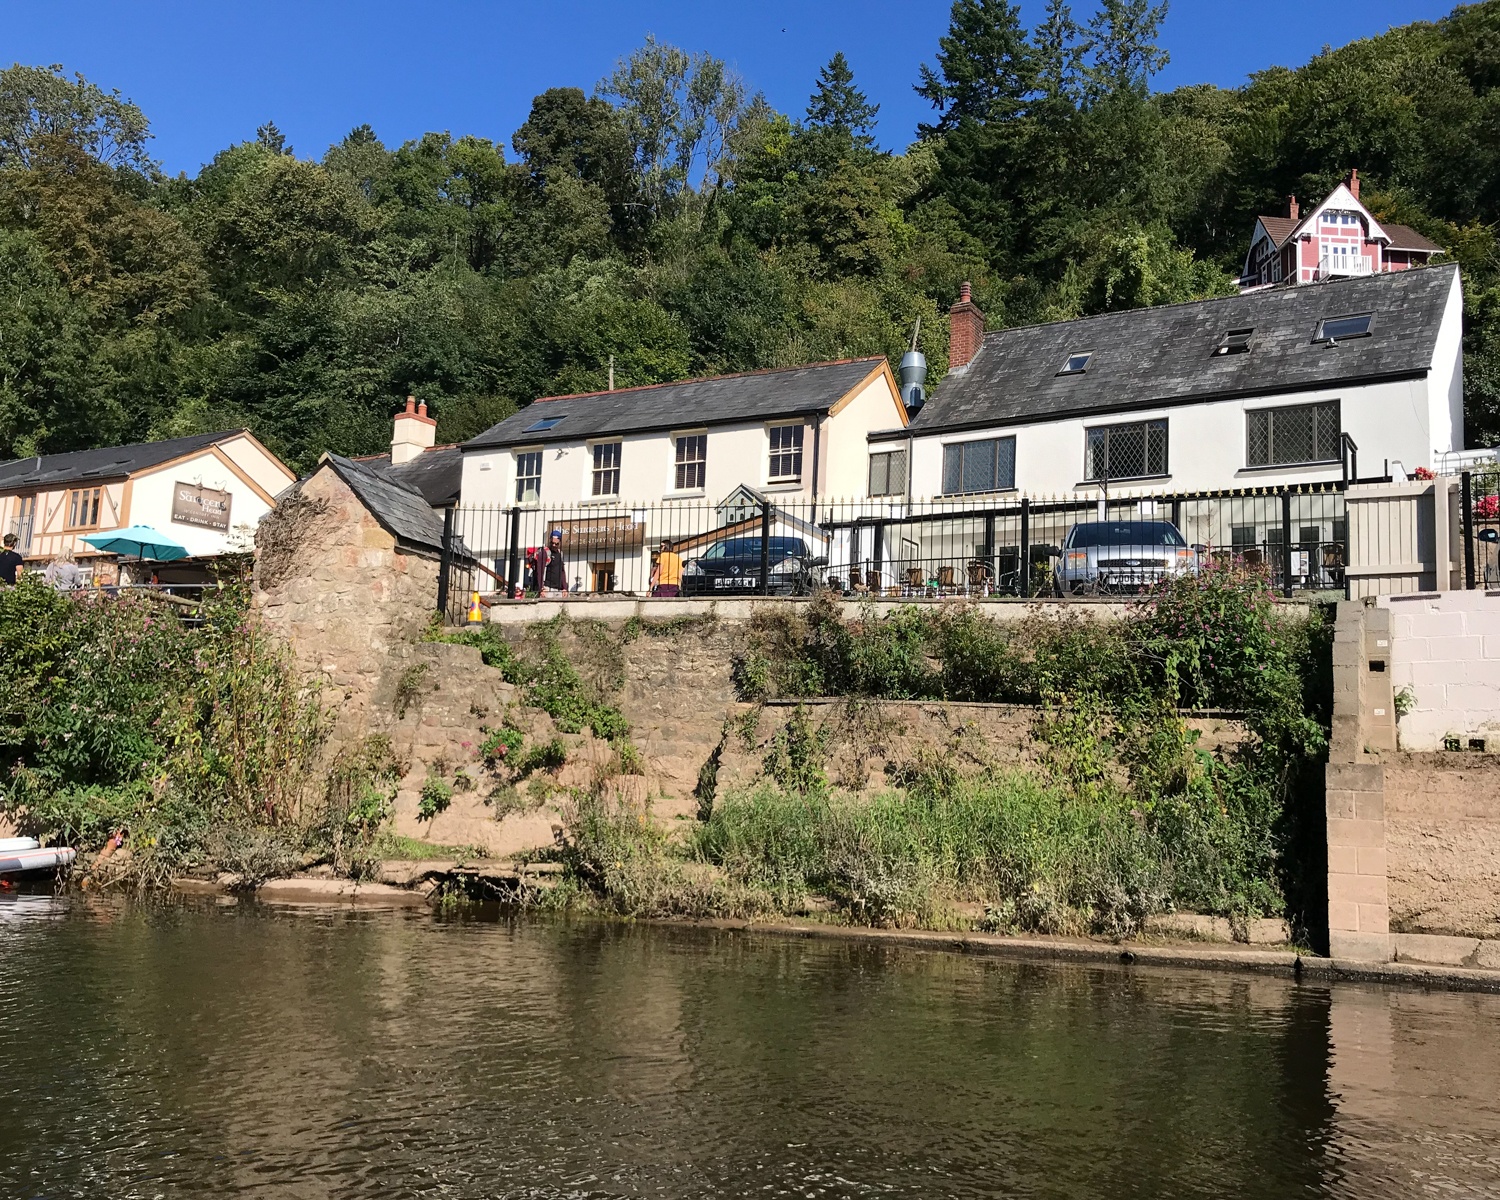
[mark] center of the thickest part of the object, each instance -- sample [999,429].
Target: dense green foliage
[1124,815]
[677,225]
[200,743]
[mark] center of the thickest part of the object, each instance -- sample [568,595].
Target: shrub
[436,796]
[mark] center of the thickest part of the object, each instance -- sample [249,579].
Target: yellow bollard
[476,614]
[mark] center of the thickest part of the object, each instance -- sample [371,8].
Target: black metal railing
[1479,507]
[1008,545]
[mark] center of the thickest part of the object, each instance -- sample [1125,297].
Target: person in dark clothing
[10,561]
[554,567]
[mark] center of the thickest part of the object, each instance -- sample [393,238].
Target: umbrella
[139,540]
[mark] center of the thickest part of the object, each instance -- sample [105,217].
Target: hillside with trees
[674,222]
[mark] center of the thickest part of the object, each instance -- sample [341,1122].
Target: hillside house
[1335,240]
[794,433]
[207,491]
[1281,386]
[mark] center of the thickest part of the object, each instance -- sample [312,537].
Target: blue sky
[207,72]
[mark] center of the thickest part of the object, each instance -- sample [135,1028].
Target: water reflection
[225,1051]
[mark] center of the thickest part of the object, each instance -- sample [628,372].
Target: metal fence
[898,548]
[1479,508]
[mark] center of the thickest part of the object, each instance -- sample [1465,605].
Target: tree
[678,111]
[1123,46]
[839,108]
[986,70]
[37,102]
[271,138]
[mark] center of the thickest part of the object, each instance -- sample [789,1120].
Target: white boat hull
[48,858]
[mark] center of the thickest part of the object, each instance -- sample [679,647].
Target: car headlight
[1185,555]
[1078,558]
[787,566]
[692,567]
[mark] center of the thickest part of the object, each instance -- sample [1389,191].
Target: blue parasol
[139,540]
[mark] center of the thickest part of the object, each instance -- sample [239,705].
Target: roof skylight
[1077,363]
[1338,329]
[1235,341]
[543,425]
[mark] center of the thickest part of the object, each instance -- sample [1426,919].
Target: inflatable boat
[23,856]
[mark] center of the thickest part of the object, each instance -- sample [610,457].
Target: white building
[1281,386]
[207,492]
[793,433]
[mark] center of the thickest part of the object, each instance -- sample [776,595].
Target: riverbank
[421,888]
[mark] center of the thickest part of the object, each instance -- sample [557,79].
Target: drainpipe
[817,453]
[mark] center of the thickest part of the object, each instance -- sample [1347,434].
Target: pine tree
[838,107]
[986,69]
[272,138]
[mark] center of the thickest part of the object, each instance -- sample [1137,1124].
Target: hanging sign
[207,508]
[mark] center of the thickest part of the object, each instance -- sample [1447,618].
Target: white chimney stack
[414,432]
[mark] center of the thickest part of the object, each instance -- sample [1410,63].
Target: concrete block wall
[1445,652]
[1363,725]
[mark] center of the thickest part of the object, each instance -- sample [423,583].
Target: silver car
[1122,556]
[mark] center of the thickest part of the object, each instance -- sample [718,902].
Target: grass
[389,845]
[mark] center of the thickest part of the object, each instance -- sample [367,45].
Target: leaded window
[986,466]
[1133,451]
[888,473]
[1302,433]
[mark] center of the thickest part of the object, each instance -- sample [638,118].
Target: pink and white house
[1337,239]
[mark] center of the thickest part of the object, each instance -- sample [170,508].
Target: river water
[203,1050]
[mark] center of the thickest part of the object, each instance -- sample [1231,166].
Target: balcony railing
[1337,266]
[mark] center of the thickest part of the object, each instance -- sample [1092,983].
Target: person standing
[10,560]
[554,569]
[62,572]
[666,575]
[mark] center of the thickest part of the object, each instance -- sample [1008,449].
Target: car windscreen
[1126,533]
[781,547]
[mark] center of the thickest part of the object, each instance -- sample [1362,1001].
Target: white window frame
[604,471]
[521,458]
[794,453]
[678,463]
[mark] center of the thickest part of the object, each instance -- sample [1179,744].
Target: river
[205,1050]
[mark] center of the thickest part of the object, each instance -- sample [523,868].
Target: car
[733,566]
[1122,556]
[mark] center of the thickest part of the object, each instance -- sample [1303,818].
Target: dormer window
[1339,329]
[543,425]
[1077,363]
[1235,341]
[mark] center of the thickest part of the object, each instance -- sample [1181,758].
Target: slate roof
[436,473]
[719,400]
[1154,357]
[111,462]
[400,508]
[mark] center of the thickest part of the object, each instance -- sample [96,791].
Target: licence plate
[736,581]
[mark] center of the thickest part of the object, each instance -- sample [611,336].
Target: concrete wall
[1445,655]
[1413,839]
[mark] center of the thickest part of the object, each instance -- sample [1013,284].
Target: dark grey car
[1122,556]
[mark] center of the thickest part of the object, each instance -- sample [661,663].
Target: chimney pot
[965,293]
[1292,208]
[1354,183]
[422,409]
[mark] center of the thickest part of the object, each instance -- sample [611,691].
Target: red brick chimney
[414,432]
[1292,210]
[965,329]
[1354,183]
